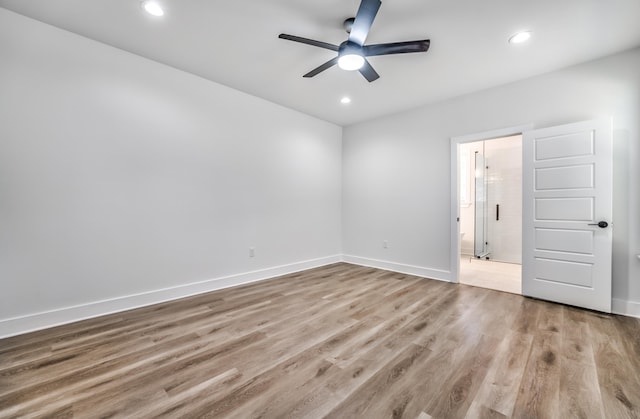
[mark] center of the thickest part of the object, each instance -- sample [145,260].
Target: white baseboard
[29,323]
[32,322]
[399,267]
[626,308]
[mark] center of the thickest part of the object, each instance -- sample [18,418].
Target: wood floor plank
[460,386]
[499,390]
[540,387]
[579,390]
[363,402]
[337,341]
[526,318]
[617,373]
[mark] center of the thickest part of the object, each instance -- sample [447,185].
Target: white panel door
[567,182]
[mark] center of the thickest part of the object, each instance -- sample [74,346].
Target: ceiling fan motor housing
[348,48]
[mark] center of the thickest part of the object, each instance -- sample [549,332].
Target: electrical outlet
[385,245]
[252,252]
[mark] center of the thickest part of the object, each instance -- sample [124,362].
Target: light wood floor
[340,342]
[490,274]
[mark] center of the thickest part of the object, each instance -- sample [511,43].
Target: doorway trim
[455,186]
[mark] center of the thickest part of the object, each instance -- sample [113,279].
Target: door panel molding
[567,188]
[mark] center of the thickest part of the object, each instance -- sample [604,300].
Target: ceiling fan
[352,53]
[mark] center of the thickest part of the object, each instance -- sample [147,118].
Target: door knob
[601,224]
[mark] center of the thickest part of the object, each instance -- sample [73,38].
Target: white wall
[126,182]
[396,182]
[121,176]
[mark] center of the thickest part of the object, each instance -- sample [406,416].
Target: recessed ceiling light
[520,37]
[345,100]
[152,8]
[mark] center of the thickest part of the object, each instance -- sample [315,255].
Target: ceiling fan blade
[368,72]
[308,41]
[363,21]
[321,68]
[396,48]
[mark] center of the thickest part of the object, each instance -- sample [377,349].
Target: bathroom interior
[490,173]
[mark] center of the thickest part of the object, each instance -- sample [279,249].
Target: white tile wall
[504,158]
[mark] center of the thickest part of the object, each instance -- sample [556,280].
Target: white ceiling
[236,43]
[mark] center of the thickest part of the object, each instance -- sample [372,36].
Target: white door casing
[567,191]
[455,192]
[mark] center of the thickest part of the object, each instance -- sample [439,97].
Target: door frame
[455,185]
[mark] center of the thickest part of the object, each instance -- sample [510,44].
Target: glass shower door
[480,248]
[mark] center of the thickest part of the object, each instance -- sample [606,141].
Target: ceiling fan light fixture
[351,62]
[352,52]
[153,8]
[520,37]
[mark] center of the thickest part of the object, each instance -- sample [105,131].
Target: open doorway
[490,173]
[488,198]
